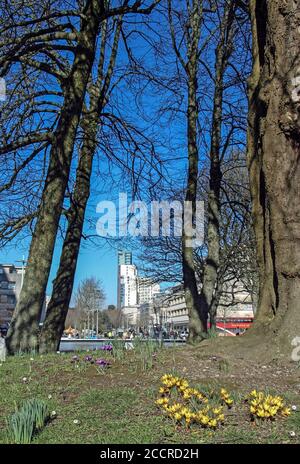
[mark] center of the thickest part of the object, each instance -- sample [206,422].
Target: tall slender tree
[23,332]
[63,284]
[190,63]
[212,263]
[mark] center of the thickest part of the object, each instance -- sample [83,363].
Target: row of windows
[178,312]
[10,299]
[9,285]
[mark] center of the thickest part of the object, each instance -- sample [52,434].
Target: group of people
[156,331]
[161,332]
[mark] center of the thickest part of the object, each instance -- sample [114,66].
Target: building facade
[131,315]
[168,309]
[127,280]
[132,289]
[147,290]
[127,285]
[124,257]
[134,292]
[11,279]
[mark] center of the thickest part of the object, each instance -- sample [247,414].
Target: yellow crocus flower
[286,411]
[204,420]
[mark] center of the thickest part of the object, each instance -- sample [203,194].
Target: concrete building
[169,310]
[174,310]
[11,281]
[133,291]
[147,290]
[131,316]
[127,285]
[11,278]
[127,280]
[124,257]
[155,312]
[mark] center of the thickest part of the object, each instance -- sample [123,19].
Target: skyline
[102,265]
[87,266]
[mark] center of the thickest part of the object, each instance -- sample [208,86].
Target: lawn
[117,404]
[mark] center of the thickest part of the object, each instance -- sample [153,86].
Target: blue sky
[100,262]
[169,134]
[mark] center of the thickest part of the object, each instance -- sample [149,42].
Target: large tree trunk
[212,263]
[197,318]
[23,331]
[273,158]
[63,284]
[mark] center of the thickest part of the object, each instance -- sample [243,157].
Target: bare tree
[73,79]
[212,263]
[24,325]
[161,257]
[115,317]
[63,284]
[89,301]
[191,37]
[190,48]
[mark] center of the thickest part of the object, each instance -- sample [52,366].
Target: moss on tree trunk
[58,307]
[273,160]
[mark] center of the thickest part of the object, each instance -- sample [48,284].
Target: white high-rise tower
[127,280]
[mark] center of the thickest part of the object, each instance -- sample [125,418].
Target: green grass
[117,405]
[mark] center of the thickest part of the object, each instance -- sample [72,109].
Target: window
[1,270]
[4,284]
[12,285]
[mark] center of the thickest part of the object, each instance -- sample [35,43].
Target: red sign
[234,324]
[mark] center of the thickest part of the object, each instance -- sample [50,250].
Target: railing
[77,344]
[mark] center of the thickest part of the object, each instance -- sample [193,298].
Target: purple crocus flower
[102,362]
[88,358]
[74,359]
[106,347]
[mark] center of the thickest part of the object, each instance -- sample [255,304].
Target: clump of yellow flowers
[225,397]
[265,406]
[187,405]
[185,409]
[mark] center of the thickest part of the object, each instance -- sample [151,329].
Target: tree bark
[273,161]
[23,331]
[63,284]
[212,263]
